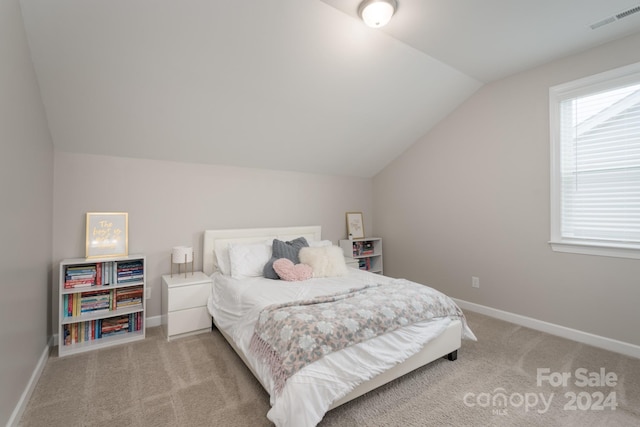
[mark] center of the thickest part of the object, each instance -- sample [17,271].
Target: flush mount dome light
[377,13]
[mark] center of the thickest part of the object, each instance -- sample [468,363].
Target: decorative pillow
[287,270]
[287,250]
[248,260]
[326,261]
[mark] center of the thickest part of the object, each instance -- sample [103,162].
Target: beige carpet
[199,381]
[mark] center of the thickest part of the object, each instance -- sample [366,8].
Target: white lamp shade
[179,253]
[377,13]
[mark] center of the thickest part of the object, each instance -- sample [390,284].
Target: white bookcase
[365,253]
[101,302]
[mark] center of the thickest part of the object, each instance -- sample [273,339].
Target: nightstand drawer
[183,297]
[188,320]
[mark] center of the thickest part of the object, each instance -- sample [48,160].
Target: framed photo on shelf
[355,225]
[107,234]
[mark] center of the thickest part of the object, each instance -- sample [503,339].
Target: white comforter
[236,304]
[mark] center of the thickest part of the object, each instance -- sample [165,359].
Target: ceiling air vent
[628,12]
[615,17]
[602,23]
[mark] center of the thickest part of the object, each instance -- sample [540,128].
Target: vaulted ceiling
[296,85]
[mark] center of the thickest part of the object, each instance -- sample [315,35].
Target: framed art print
[355,225]
[107,234]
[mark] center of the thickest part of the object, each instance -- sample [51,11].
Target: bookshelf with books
[102,303]
[365,254]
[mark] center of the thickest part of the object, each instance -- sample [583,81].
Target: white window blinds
[597,170]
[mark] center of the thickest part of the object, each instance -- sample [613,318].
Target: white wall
[471,198]
[26,169]
[171,203]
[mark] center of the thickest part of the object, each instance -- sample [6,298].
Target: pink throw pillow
[287,270]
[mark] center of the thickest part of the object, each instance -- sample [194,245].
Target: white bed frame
[445,345]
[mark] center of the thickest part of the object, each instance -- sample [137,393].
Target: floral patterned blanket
[291,335]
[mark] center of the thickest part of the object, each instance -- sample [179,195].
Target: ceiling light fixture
[377,13]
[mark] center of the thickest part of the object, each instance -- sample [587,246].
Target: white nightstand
[184,304]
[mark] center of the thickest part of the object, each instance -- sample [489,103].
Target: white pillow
[319,243]
[248,259]
[326,261]
[222,261]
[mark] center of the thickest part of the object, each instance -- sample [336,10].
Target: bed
[238,301]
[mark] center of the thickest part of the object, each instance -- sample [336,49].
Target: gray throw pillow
[287,250]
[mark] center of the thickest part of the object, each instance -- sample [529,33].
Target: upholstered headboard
[220,239]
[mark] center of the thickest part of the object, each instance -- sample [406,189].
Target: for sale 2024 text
[583,378]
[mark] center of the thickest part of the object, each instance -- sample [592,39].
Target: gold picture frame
[355,225]
[107,234]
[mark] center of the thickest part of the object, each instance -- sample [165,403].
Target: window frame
[557,94]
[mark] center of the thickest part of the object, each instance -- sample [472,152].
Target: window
[595,164]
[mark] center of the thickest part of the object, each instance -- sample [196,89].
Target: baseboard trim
[621,347]
[31,385]
[154,321]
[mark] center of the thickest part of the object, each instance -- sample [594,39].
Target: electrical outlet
[475,282]
[148,292]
